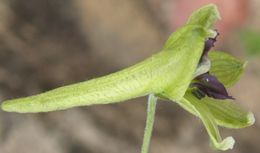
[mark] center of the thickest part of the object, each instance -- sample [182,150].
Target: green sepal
[208,119]
[217,112]
[228,114]
[205,16]
[226,68]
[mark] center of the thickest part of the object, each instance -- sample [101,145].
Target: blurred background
[45,44]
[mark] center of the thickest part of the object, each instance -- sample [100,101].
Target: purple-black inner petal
[209,85]
[209,44]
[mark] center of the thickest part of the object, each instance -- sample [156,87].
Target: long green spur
[167,73]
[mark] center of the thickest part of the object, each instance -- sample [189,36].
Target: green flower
[183,71]
[216,112]
[209,99]
[214,106]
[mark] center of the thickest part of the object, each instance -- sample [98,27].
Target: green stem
[149,123]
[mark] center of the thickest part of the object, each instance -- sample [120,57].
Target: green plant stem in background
[250,39]
[151,108]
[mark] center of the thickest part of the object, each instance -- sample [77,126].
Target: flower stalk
[151,109]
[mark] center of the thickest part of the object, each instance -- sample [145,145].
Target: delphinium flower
[184,71]
[207,96]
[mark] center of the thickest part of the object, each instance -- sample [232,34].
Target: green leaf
[226,68]
[208,119]
[205,16]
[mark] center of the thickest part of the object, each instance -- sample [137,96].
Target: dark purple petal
[209,44]
[210,86]
[207,84]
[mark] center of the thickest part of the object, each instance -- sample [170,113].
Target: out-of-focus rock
[126,23]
